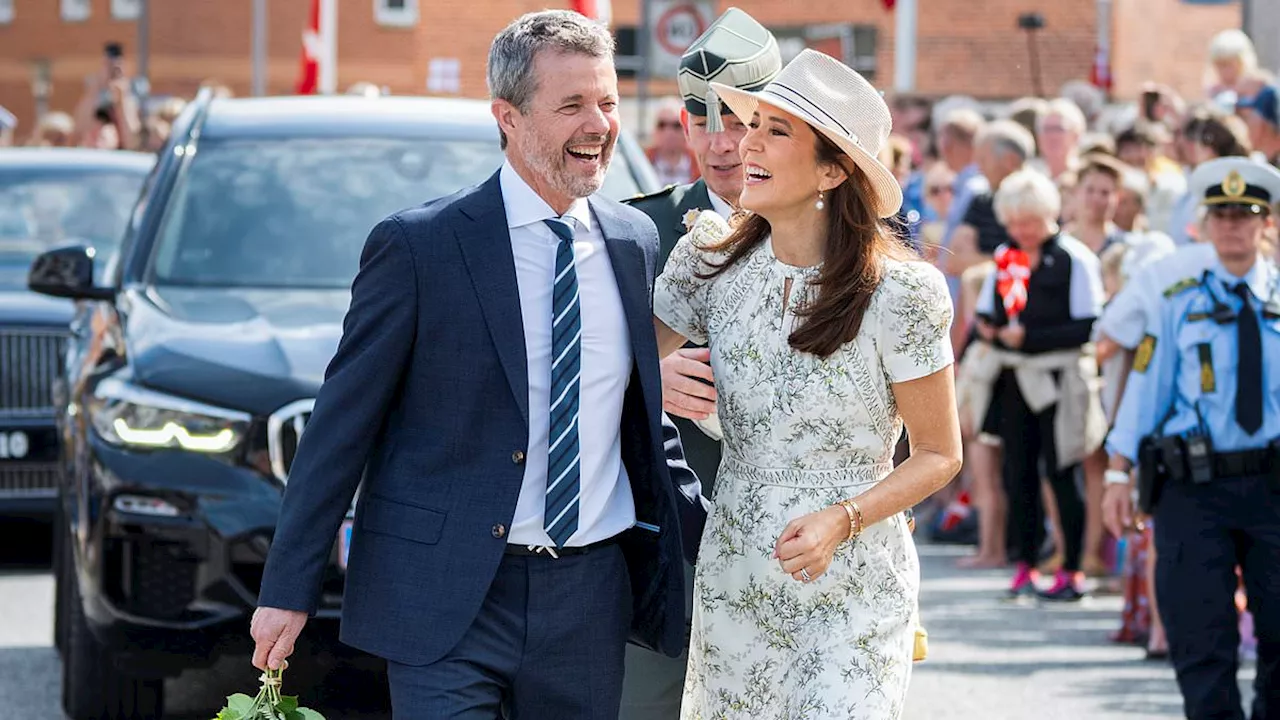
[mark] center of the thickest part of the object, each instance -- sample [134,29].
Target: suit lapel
[632,277]
[696,199]
[486,249]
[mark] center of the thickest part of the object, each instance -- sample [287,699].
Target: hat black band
[804,101]
[1252,195]
[699,107]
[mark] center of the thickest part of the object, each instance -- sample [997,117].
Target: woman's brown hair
[857,241]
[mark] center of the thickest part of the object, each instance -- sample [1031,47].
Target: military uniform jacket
[668,208]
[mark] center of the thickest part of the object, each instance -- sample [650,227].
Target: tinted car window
[295,212]
[40,210]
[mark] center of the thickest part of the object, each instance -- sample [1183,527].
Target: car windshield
[294,213]
[40,209]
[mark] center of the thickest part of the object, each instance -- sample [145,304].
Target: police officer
[1201,418]
[735,50]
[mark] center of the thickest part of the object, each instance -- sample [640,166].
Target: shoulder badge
[1146,350]
[656,194]
[1181,286]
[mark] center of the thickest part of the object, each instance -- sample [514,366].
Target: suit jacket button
[517,457]
[499,531]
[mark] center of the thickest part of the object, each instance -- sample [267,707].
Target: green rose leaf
[309,714]
[287,704]
[239,706]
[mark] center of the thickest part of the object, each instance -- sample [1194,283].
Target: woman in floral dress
[826,337]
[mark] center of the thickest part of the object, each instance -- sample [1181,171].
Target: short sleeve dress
[800,433]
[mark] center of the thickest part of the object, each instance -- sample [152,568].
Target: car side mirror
[67,272]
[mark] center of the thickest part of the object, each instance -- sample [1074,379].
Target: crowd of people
[1041,213]
[1047,222]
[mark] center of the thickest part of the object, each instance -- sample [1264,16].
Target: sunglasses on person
[936,190]
[668,124]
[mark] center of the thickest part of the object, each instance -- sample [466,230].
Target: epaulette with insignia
[1180,286]
[1145,352]
[657,194]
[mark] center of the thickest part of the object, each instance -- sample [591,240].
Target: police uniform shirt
[1186,363]
[1125,318]
[1068,269]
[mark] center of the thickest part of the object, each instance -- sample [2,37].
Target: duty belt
[1244,463]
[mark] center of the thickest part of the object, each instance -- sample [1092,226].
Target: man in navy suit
[497,384]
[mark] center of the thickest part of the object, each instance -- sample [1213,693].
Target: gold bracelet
[855,518]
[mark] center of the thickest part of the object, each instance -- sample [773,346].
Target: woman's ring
[804,573]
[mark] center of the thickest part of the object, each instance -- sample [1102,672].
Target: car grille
[30,361]
[284,431]
[28,480]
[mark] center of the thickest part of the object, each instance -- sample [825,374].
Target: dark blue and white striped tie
[563,467]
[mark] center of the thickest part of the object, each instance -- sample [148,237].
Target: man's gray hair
[511,56]
[1007,136]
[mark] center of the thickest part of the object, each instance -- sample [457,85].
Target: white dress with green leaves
[800,433]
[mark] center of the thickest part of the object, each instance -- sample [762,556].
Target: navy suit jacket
[427,398]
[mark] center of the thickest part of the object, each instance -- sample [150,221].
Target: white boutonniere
[690,218]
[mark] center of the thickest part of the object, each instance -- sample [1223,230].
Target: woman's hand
[1012,336]
[808,543]
[986,330]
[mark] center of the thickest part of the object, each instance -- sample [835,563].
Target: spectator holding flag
[1036,311]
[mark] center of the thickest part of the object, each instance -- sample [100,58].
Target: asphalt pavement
[988,659]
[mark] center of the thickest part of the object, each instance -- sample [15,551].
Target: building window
[6,11]
[396,13]
[75,10]
[126,9]
[444,76]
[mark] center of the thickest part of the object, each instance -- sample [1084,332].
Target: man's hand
[1117,509]
[986,330]
[274,632]
[683,394]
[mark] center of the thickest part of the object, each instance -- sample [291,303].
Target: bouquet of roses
[268,705]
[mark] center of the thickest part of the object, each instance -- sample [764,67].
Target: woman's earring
[820,204]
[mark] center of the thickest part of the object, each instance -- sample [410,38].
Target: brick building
[973,47]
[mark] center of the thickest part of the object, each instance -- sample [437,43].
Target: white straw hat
[837,102]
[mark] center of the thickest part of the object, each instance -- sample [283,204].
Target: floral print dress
[800,433]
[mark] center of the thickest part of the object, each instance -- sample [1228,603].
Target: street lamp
[1031,22]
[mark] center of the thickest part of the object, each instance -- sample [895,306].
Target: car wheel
[93,688]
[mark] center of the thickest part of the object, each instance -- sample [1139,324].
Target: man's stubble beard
[551,166]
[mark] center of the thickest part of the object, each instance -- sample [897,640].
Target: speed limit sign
[675,24]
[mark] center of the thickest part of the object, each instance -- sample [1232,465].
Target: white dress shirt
[606,506]
[720,205]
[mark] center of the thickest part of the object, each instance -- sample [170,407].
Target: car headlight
[125,414]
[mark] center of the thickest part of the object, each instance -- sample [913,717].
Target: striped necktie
[563,468]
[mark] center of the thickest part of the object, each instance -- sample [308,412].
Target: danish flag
[1013,272]
[600,10]
[309,73]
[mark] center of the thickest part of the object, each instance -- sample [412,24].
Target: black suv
[48,197]
[208,342]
